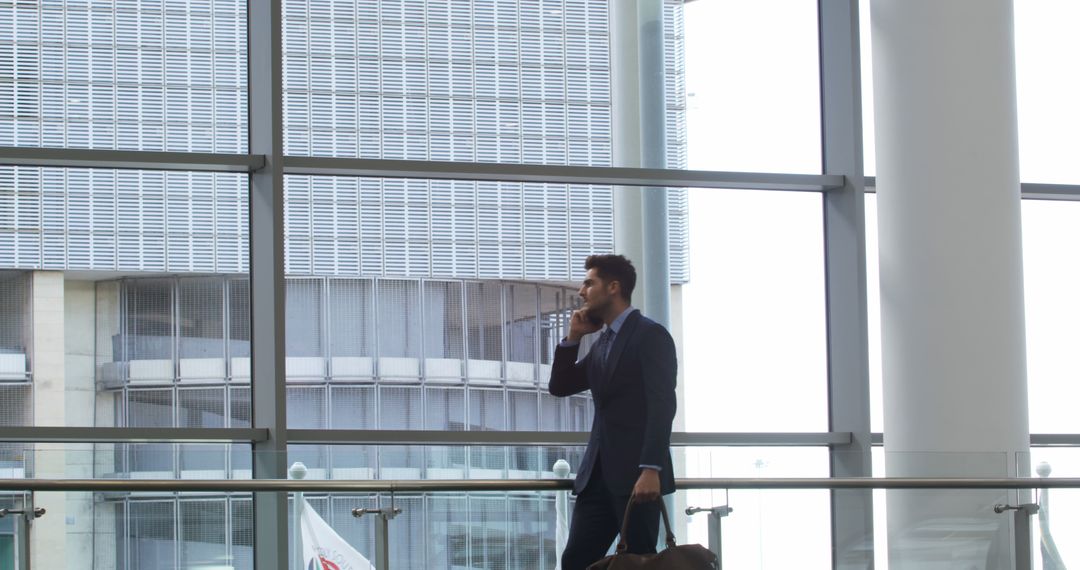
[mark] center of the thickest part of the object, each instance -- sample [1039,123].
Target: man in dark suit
[630,369]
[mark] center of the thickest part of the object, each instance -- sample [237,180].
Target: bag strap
[621,548]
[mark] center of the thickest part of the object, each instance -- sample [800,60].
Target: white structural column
[639,139]
[626,131]
[951,273]
[639,134]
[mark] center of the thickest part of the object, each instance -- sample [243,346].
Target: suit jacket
[634,403]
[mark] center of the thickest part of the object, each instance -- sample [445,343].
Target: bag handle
[621,548]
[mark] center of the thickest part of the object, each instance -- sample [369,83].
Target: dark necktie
[603,347]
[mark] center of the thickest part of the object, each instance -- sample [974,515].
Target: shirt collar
[619,320]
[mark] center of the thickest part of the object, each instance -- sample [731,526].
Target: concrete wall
[80,395]
[48,546]
[62,358]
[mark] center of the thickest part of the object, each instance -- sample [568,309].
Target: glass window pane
[445,409]
[491,82]
[489,539]
[1046,98]
[352,407]
[306,407]
[399,319]
[203,540]
[873,315]
[201,325]
[14,293]
[445,335]
[487,410]
[556,306]
[866,72]
[243,534]
[351,319]
[1052,311]
[303,318]
[99,241]
[521,328]
[422,228]
[240,323]
[151,534]
[448,532]
[150,321]
[484,305]
[205,408]
[752,86]
[754,313]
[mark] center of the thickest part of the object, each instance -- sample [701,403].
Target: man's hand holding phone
[581,324]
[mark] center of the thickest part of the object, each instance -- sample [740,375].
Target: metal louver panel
[505,81]
[14,311]
[133,76]
[675,83]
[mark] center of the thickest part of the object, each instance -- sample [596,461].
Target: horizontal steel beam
[1050,191]
[43,434]
[1037,439]
[541,438]
[46,434]
[394,437]
[139,159]
[1028,190]
[1055,439]
[496,485]
[558,174]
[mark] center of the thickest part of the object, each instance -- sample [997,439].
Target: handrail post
[1022,518]
[23,519]
[22,539]
[562,512]
[382,531]
[382,542]
[298,471]
[1022,532]
[716,542]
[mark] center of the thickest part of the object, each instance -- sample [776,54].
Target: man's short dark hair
[612,267]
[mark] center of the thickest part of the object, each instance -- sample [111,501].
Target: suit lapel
[622,338]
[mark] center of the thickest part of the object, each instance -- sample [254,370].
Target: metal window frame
[842,186]
[852,512]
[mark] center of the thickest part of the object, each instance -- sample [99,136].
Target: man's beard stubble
[596,312]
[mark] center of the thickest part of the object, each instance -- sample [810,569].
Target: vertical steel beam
[382,542]
[1022,530]
[22,535]
[845,279]
[267,275]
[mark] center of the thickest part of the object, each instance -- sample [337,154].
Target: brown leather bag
[685,557]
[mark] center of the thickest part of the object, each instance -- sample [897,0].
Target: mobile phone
[595,320]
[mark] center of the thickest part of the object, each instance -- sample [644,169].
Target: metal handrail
[491,485]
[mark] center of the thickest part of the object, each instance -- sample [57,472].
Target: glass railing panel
[1058,519]
[393,462]
[766,529]
[921,528]
[130,530]
[426,530]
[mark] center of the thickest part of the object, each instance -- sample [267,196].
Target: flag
[324,549]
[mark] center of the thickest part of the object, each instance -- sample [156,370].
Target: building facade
[411,304]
